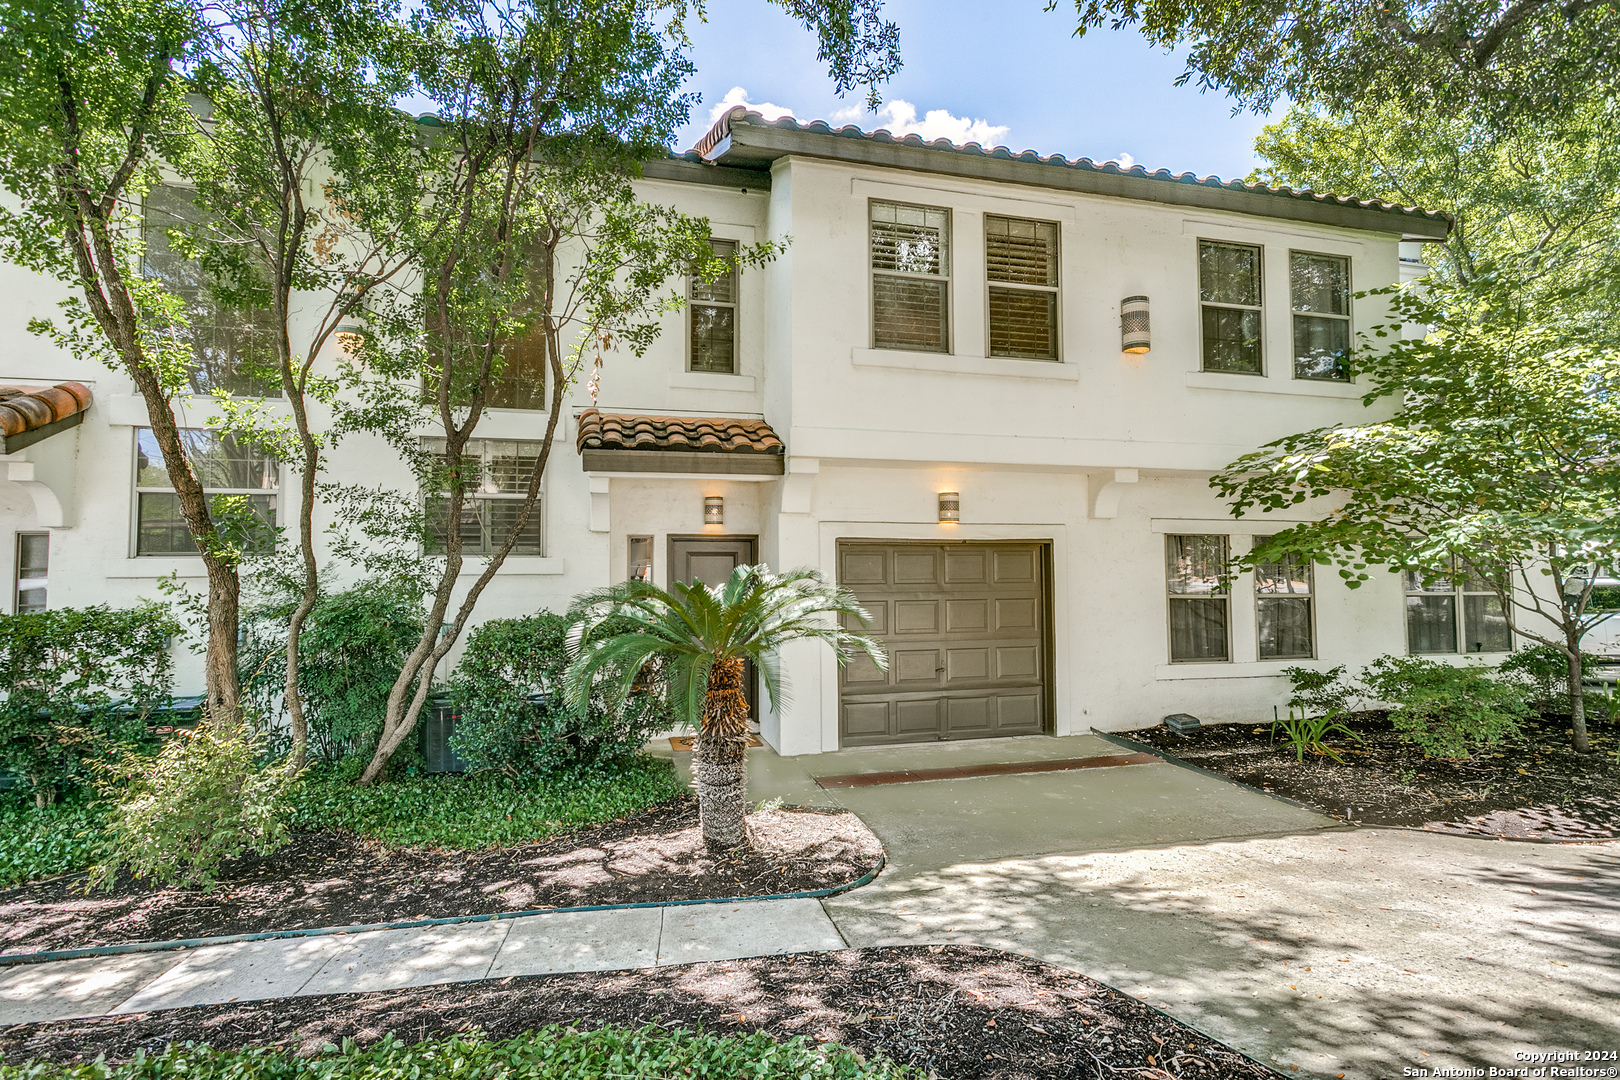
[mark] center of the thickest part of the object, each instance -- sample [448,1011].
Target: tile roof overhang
[623,442]
[743,143]
[31,413]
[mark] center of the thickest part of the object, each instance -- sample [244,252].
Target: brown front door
[964,625]
[711,559]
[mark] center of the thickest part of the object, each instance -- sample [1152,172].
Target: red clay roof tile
[716,434]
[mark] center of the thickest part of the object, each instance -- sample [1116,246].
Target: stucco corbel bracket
[600,488]
[1106,489]
[799,484]
[50,504]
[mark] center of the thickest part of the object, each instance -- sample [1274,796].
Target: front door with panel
[964,626]
[711,559]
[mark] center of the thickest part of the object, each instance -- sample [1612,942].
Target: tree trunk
[1577,701]
[720,758]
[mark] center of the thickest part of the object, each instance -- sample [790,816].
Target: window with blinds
[1320,287]
[1229,296]
[713,306]
[1021,262]
[1195,572]
[497,472]
[911,277]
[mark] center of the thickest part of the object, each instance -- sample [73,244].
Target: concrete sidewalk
[389,959]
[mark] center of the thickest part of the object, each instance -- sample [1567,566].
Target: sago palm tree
[699,638]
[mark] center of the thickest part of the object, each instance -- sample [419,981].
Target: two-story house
[984,390]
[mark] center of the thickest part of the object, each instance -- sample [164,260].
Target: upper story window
[498,473]
[911,277]
[1195,570]
[231,347]
[1021,262]
[1320,287]
[1229,293]
[713,306]
[1282,601]
[224,466]
[520,366]
[1445,609]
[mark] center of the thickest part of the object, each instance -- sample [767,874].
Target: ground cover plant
[339,879]
[955,1012]
[552,1053]
[41,842]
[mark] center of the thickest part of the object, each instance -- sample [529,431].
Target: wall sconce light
[1133,324]
[714,510]
[349,337]
[950,506]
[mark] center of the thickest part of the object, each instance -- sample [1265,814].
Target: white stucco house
[985,390]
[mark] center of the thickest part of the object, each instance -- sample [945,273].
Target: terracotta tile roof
[28,408]
[716,434]
[715,146]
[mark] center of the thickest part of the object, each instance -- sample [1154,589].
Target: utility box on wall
[438,725]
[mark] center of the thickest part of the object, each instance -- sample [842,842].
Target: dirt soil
[338,879]
[1534,788]
[956,1011]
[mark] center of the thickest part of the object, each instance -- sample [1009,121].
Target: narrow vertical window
[1229,292]
[911,271]
[714,317]
[33,561]
[641,558]
[497,473]
[1021,262]
[1485,625]
[1320,287]
[1199,616]
[1282,603]
[1431,613]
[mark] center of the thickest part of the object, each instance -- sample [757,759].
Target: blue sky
[980,66]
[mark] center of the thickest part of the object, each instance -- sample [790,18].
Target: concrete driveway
[1320,948]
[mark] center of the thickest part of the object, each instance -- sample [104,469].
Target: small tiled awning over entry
[625,443]
[31,413]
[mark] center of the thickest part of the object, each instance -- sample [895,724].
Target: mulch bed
[955,1011]
[1536,788]
[338,879]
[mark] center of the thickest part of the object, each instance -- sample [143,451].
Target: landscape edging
[46,956]
[1171,759]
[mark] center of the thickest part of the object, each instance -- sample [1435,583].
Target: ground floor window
[33,559]
[498,471]
[1282,601]
[226,468]
[1450,612]
[1200,612]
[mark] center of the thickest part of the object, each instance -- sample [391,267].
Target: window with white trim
[1283,605]
[33,564]
[1448,609]
[1230,299]
[498,473]
[1200,605]
[1320,289]
[911,277]
[1021,263]
[713,315]
[226,468]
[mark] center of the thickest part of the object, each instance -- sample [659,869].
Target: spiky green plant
[698,639]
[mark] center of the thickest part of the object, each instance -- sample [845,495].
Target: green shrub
[481,809]
[1308,734]
[1319,693]
[1543,671]
[203,799]
[1446,710]
[507,691]
[352,648]
[79,685]
[552,1053]
[42,842]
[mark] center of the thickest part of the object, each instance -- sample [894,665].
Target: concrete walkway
[389,959]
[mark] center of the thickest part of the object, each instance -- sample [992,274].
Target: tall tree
[91,100]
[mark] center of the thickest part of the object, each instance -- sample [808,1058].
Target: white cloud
[1123,160]
[738,96]
[900,118]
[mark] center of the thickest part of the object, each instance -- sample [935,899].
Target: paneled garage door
[965,629]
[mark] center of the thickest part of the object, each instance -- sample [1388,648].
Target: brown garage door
[965,629]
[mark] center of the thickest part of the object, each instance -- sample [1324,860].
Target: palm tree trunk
[720,758]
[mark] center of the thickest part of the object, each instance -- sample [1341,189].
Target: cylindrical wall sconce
[950,506]
[714,510]
[1133,324]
